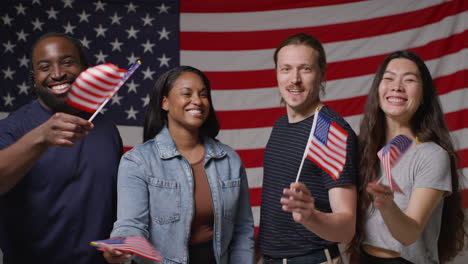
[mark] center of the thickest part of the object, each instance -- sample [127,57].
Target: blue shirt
[66,200]
[156,188]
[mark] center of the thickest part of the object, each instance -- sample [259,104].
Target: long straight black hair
[428,124]
[156,117]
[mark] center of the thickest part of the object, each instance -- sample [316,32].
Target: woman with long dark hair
[424,222]
[182,189]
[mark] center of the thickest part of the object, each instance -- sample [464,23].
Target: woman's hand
[381,194]
[113,255]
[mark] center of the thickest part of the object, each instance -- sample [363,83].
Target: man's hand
[63,130]
[299,202]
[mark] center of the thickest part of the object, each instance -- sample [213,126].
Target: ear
[165,103]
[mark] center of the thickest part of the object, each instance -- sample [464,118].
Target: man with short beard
[303,222]
[58,171]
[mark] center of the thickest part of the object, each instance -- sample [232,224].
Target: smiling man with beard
[57,170]
[318,212]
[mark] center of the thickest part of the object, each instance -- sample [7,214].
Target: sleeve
[8,132]
[242,245]
[432,169]
[132,199]
[349,174]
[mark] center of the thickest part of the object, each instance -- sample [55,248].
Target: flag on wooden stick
[326,146]
[389,156]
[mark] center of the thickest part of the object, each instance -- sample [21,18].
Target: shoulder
[338,119]
[24,119]
[141,152]
[281,121]
[431,151]
[31,108]
[219,149]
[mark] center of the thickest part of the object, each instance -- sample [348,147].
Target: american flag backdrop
[233,42]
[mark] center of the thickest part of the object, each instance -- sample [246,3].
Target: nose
[295,77]
[398,86]
[57,73]
[196,100]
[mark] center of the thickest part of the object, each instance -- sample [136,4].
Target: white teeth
[295,91]
[395,100]
[194,111]
[59,87]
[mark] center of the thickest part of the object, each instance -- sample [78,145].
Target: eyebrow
[404,74]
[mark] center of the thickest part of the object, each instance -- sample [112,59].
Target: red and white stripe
[331,157]
[389,160]
[139,246]
[93,86]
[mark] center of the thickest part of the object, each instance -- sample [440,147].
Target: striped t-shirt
[279,235]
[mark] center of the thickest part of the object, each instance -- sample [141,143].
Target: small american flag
[390,154]
[93,86]
[134,244]
[327,145]
[96,84]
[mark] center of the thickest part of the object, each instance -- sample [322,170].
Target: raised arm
[337,226]
[406,226]
[17,159]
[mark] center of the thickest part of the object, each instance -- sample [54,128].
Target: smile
[193,111]
[295,91]
[60,87]
[396,99]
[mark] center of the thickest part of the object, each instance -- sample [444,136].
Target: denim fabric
[155,200]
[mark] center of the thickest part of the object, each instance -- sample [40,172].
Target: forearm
[403,228]
[17,159]
[336,227]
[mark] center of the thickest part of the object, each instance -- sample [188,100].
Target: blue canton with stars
[114,31]
[322,128]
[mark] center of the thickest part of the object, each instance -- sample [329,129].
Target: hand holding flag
[389,156]
[326,146]
[135,244]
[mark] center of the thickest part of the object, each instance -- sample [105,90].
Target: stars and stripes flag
[389,156]
[233,42]
[326,146]
[93,86]
[134,244]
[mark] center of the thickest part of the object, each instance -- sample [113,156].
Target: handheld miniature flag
[94,86]
[326,146]
[390,154]
[134,244]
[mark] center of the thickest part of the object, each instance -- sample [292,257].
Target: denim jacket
[155,200]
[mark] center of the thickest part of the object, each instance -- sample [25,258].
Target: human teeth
[295,91]
[59,87]
[395,100]
[195,111]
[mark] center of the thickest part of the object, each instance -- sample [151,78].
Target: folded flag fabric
[93,86]
[389,156]
[135,244]
[327,145]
